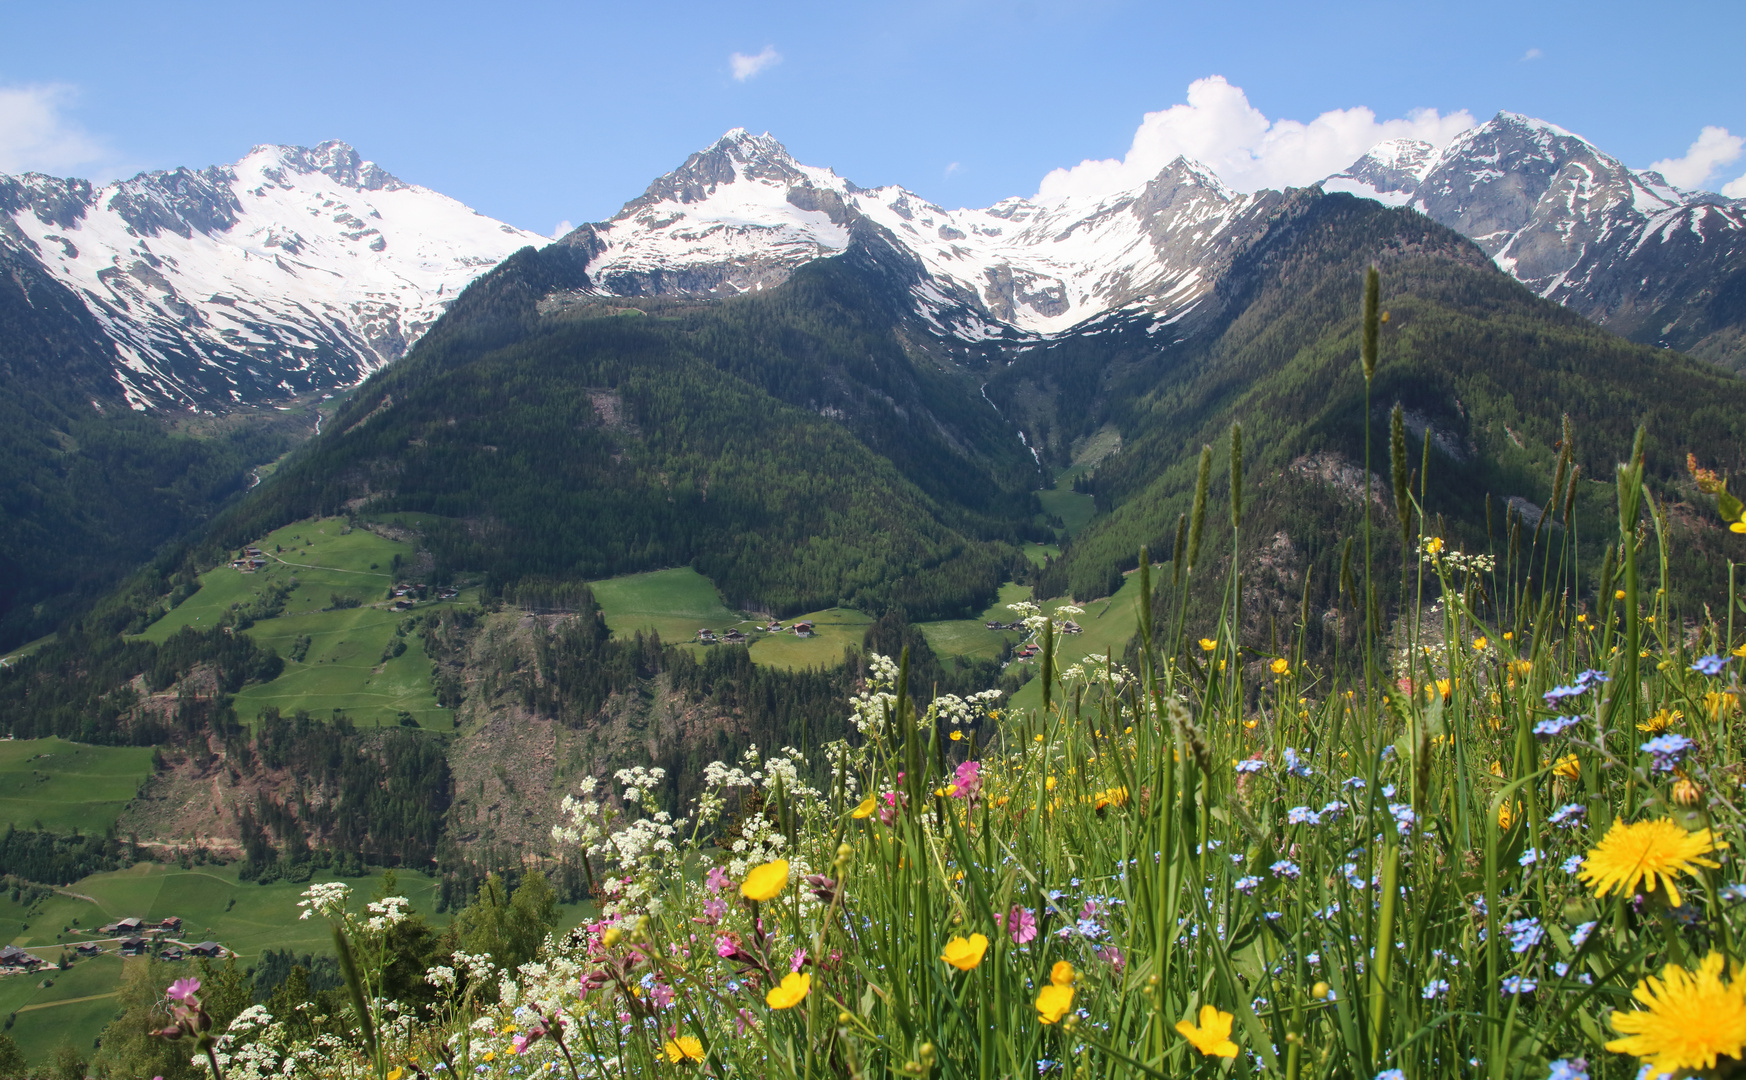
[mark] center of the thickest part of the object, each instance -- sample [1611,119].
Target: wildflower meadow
[1497,838]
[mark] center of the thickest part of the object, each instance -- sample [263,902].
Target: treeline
[362,798]
[38,855]
[77,686]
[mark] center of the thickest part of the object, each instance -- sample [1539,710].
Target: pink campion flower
[184,989]
[534,1033]
[745,1022]
[713,909]
[726,945]
[1021,925]
[717,880]
[968,780]
[661,994]
[798,960]
[888,812]
[1112,956]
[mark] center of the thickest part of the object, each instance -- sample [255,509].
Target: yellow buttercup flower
[766,882]
[965,953]
[1049,784]
[1689,1019]
[1506,816]
[1054,1002]
[684,1048]
[865,810]
[1208,644]
[1645,853]
[1280,667]
[396,1073]
[957,736]
[1567,767]
[1479,643]
[793,989]
[1433,545]
[1062,974]
[1212,1036]
[1740,650]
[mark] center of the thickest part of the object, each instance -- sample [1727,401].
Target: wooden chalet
[210,949]
[803,629]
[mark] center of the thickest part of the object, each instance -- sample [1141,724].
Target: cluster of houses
[1067,627]
[251,559]
[405,596]
[734,636]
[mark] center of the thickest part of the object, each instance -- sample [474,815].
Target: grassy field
[673,603]
[835,629]
[213,905]
[67,785]
[1108,623]
[1074,509]
[344,669]
[344,666]
[971,637]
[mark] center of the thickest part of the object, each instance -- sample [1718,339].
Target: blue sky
[544,112]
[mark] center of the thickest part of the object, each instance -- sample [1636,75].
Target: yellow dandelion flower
[1740,650]
[1115,796]
[1212,1036]
[1720,704]
[1280,667]
[1661,721]
[965,953]
[793,989]
[1645,853]
[1208,644]
[865,810]
[1689,1019]
[684,1048]
[489,1055]
[1054,1002]
[1506,816]
[766,882]
[1567,767]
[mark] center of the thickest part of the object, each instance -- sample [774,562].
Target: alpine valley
[381,523]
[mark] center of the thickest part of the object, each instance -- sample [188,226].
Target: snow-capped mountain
[292,270]
[1620,246]
[1623,247]
[743,214]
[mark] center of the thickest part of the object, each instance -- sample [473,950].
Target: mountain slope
[290,271]
[1482,368]
[552,436]
[1627,249]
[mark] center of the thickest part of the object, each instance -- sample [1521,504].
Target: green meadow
[971,638]
[673,603]
[348,662]
[65,785]
[1108,623]
[834,629]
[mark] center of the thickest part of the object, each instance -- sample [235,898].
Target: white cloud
[562,229]
[36,137]
[1221,130]
[1735,189]
[1713,149]
[954,167]
[1531,54]
[747,66]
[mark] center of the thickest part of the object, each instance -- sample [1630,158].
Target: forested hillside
[786,446]
[90,489]
[1483,368]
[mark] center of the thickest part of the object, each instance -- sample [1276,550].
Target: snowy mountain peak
[295,269]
